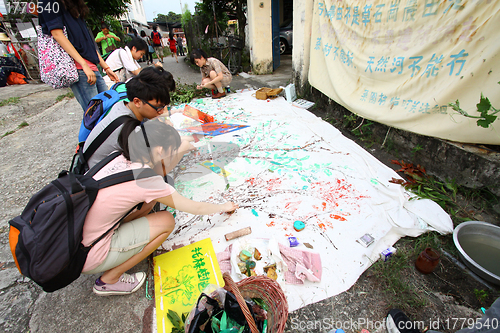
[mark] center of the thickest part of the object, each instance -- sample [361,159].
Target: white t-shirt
[122,63]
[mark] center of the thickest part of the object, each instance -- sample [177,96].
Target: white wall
[302,23]
[260,36]
[136,12]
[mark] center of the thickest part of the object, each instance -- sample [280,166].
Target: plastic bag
[269,253]
[219,302]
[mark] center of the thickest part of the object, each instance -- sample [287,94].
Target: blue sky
[155,7]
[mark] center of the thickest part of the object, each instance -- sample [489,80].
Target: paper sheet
[290,165]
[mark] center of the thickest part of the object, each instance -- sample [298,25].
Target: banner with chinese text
[401,62]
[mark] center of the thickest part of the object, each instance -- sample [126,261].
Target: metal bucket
[478,244]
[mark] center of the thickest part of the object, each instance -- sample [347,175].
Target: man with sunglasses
[148,96]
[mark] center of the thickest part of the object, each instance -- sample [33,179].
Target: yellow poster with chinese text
[180,277]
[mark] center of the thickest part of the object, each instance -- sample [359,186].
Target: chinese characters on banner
[401,62]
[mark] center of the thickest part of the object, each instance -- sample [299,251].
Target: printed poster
[180,277]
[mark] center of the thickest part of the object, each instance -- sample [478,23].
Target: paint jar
[427,261]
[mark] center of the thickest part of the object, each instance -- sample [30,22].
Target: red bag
[156,38]
[16,78]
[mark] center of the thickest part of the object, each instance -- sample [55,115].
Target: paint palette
[291,97]
[302,103]
[214,129]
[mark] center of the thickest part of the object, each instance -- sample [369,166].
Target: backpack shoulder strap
[126,176]
[138,206]
[95,169]
[99,140]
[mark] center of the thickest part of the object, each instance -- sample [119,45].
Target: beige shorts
[158,49]
[226,80]
[128,240]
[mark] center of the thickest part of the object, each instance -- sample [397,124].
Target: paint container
[251,264]
[387,253]
[366,240]
[427,261]
[293,241]
[257,255]
[299,225]
[245,255]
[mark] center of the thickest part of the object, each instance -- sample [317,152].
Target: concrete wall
[135,13]
[260,36]
[302,25]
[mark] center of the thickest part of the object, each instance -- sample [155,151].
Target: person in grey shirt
[180,47]
[148,96]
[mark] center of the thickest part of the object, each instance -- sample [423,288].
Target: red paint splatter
[337,217]
[271,184]
[332,192]
[322,226]
[288,235]
[270,224]
[293,206]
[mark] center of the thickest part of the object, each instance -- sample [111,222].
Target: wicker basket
[266,289]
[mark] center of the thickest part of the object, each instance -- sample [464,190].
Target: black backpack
[45,239]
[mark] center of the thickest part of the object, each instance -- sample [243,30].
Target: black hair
[155,27]
[171,35]
[151,83]
[77,8]
[143,34]
[104,26]
[132,139]
[197,54]
[139,44]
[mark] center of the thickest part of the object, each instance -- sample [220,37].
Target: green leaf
[487,121]
[484,105]
[174,318]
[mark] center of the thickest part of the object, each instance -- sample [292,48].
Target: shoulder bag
[57,67]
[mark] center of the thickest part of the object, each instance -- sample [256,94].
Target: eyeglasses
[158,109]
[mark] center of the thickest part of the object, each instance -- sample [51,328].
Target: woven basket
[266,289]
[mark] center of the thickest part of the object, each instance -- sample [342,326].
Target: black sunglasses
[157,108]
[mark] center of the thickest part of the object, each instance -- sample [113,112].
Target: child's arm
[185,147]
[177,201]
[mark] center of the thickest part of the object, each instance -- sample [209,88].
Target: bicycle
[230,54]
